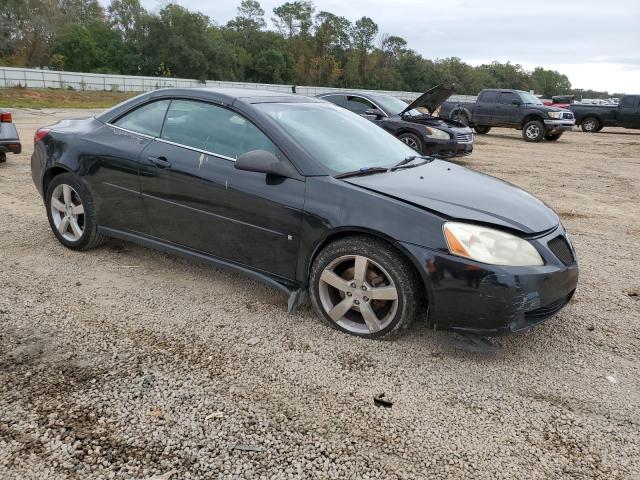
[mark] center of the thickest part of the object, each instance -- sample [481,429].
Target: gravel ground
[126,363]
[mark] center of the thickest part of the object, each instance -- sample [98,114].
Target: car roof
[359,94]
[222,95]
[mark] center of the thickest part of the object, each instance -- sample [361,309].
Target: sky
[594,42]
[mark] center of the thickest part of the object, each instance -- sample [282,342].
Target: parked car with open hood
[9,138]
[416,124]
[499,107]
[306,196]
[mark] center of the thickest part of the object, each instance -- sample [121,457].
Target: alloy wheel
[358,294]
[410,142]
[590,125]
[67,212]
[533,132]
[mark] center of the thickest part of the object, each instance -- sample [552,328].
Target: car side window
[489,97]
[146,119]
[337,99]
[358,104]
[627,102]
[213,128]
[506,98]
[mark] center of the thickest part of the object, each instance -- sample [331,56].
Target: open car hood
[432,98]
[463,194]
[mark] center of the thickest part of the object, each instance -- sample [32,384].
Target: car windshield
[340,140]
[529,98]
[393,106]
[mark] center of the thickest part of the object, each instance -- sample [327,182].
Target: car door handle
[161,162]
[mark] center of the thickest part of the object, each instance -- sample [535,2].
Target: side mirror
[262,161]
[374,112]
[517,103]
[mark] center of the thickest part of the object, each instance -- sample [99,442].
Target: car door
[196,199]
[629,111]
[113,172]
[506,112]
[483,108]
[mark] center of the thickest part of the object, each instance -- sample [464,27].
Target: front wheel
[71,213]
[412,141]
[362,286]
[482,129]
[552,137]
[533,131]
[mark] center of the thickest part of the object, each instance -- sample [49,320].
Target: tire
[460,116]
[600,128]
[68,197]
[533,131]
[482,129]
[591,125]
[3,157]
[553,137]
[412,141]
[334,282]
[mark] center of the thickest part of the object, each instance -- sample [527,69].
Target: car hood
[432,98]
[459,193]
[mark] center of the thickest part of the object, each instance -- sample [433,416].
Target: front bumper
[460,144]
[473,297]
[558,125]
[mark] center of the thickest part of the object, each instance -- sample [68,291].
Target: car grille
[567,116]
[539,314]
[561,249]
[464,137]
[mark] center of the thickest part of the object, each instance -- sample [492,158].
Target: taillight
[5,117]
[40,134]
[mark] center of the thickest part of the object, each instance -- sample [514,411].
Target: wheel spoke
[360,270]
[337,312]
[383,293]
[57,204]
[77,232]
[334,280]
[78,210]
[63,225]
[66,193]
[370,317]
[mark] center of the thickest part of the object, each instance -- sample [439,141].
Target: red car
[560,101]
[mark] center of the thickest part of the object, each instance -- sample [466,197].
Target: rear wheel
[3,157]
[71,213]
[591,125]
[482,129]
[553,137]
[533,131]
[363,287]
[412,141]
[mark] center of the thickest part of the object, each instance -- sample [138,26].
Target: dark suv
[415,124]
[512,109]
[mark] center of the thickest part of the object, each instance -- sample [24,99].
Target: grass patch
[57,98]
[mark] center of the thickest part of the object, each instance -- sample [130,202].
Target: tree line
[305,47]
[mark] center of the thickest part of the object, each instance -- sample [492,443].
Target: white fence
[35,78]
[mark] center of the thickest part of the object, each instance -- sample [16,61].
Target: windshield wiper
[408,160]
[362,171]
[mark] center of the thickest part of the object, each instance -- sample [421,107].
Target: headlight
[487,245]
[557,115]
[435,133]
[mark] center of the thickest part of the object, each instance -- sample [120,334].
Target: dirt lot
[126,363]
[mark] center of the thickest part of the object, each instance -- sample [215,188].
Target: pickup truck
[9,140]
[593,118]
[512,109]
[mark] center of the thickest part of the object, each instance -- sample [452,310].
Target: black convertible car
[422,130]
[310,198]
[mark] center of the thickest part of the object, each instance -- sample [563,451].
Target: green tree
[77,48]
[363,35]
[293,18]
[250,17]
